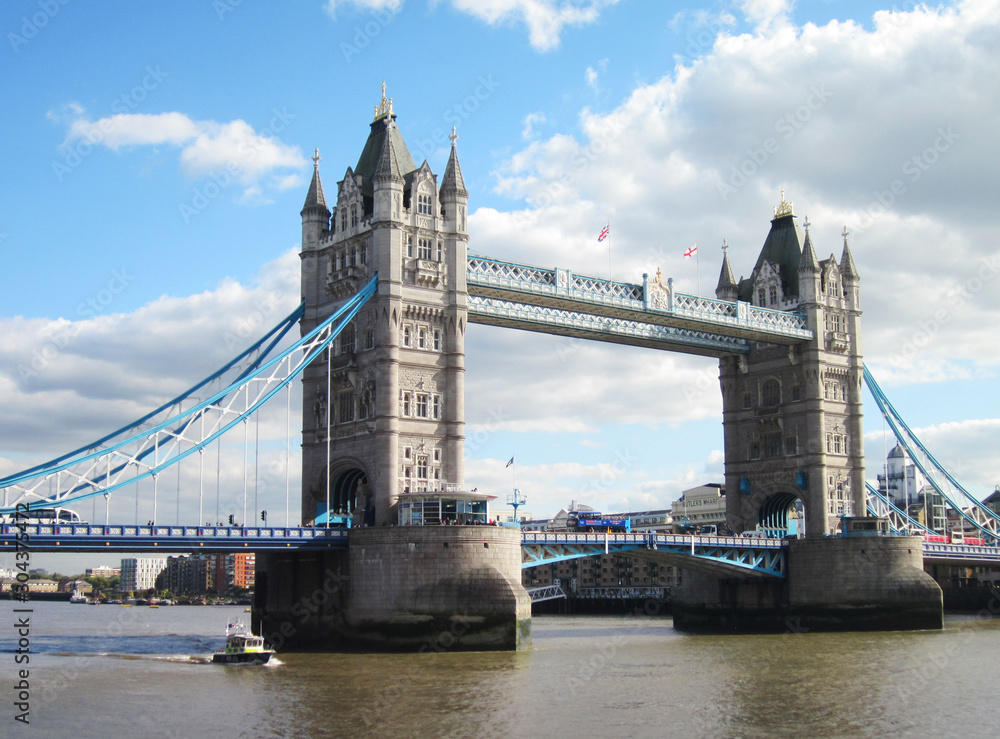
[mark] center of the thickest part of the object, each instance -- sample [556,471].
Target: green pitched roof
[782,247]
[381,128]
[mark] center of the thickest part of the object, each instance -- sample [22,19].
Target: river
[98,671]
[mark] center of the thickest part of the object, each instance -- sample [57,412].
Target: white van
[755,534]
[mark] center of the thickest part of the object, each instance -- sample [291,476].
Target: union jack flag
[604,233]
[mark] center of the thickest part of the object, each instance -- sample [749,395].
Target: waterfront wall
[432,588]
[832,584]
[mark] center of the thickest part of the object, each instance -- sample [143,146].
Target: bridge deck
[169,539]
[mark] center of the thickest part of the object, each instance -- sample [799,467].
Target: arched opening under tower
[350,496]
[782,514]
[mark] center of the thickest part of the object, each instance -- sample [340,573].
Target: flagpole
[697,258]
[611,271]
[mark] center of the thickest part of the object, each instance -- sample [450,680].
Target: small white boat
[242,647]
[77,597]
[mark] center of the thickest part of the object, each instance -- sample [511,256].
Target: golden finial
[316,157]
[384,108]
[454,136]
[659,276]
[785,209]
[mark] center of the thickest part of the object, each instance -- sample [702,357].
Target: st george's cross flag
[691,252]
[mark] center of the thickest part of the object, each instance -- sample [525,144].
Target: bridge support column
[833,584]
[433,588]
[437,588]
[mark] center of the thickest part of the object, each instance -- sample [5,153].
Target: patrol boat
[242,647]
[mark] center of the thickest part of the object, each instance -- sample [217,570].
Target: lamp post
[515,500]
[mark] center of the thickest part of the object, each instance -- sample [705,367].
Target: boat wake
[192,659]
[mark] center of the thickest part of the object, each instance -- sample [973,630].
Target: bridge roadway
[724,556]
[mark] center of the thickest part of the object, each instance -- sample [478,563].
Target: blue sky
[156,158]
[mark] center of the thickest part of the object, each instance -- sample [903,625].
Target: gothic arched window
[770,392]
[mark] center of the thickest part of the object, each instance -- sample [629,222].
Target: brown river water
[99,671]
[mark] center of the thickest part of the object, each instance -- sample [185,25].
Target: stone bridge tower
[792,415]
[383,413]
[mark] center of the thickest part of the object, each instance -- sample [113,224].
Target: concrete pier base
[431,588]
[835,584]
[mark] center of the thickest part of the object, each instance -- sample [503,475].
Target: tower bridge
[388,290]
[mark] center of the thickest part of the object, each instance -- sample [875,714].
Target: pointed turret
[453,196]
[847,268]
[727,289]
[808,263]
[387,166]
[315,197]
[453,181]
[315,213]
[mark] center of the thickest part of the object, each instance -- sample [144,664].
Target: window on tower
[424,249]
[347,339]
[760,298]
[773,295]
[770,392]
[354,215]
[424,204]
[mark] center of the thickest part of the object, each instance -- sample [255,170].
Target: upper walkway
[653,314]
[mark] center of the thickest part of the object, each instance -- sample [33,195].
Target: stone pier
[833,584]
[412,588]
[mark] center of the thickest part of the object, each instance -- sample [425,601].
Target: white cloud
[207,147]
[768,15]
[64,383]
[890,130]
[376,5]
[528,131]
[545,19]
[912,104]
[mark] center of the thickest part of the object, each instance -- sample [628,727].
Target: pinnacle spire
[847,268]
[387,166]
[315,197]
[808,262]
[727,288]
[453,180]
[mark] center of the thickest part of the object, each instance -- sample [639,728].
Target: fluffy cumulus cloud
[208,148]
[64,383]
[544,19]
[889,130]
